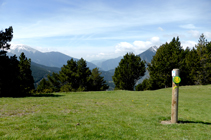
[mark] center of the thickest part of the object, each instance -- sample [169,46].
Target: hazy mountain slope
[41,71]
[51,59]
[110,63]
[113,63]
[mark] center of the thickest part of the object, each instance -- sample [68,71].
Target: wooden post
[175,97]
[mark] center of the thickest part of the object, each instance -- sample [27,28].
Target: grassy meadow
[108,115]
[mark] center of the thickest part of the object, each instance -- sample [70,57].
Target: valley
[43,64]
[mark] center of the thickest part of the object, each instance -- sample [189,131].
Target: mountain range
[43,64]
[51,59]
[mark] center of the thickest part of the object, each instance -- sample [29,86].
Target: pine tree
[54,81]
[5,37]
[68,75]
[43,85]
[83,75]
[26,79]
[168,56]
[203,50]
[98,82]
[8,66]
[129,71]
[190,67]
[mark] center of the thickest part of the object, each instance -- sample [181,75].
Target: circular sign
[177,79]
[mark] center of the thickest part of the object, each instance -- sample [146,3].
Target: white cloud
[189,44]
[207,35]
[194,33]
[123,46]
[137,46]
[188,26]
[159,28]
[155,40]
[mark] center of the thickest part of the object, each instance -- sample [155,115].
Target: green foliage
[44,84]
[9,78]
[47,91]
[67,88]
[26,79]
[190,67]
[168,56]
[68,74]
[143,86]
[204,52]
[98,82]
[54,82]
[75,76]
[15,79]
[129,71]
[83,75]
[5,37]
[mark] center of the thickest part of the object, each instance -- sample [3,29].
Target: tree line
[194,65]
[16,76]
[74,76]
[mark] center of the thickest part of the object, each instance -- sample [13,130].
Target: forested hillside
[194,65]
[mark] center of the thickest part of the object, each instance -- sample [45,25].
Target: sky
[103,29]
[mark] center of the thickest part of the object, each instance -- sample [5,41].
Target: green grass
[108,115]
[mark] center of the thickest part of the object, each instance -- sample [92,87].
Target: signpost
[175,95]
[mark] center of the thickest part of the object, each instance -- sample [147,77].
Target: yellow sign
[177,79]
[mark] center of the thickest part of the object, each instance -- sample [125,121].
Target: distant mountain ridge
[51,59]
[113,63]
[49,62]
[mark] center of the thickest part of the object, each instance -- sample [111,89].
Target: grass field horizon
[108,115]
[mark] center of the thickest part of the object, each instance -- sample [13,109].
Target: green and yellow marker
[176,79]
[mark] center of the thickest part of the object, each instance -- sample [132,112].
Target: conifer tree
[43,85]
[5,37]
[68,75]
[83,75]
[98,82]
[54,82]
[203,50]
[129,71]
[26,79]
[168,56]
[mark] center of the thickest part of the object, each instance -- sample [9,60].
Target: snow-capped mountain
[51,59]
[148,54]
[21,48]
[154,49]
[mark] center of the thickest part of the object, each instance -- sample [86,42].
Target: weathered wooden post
[175,95]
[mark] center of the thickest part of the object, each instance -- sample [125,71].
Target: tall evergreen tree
[5,37]
[43,85]
[83,75]
[68,75]
[129,71]
[190,67]
[8,66]
[203,50]
[9,78]
[98,82]
[54,82]
[26,79]
[168,56]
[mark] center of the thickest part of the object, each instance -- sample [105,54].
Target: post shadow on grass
[195,122]
[183,121]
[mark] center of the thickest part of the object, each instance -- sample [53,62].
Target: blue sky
[98,29]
